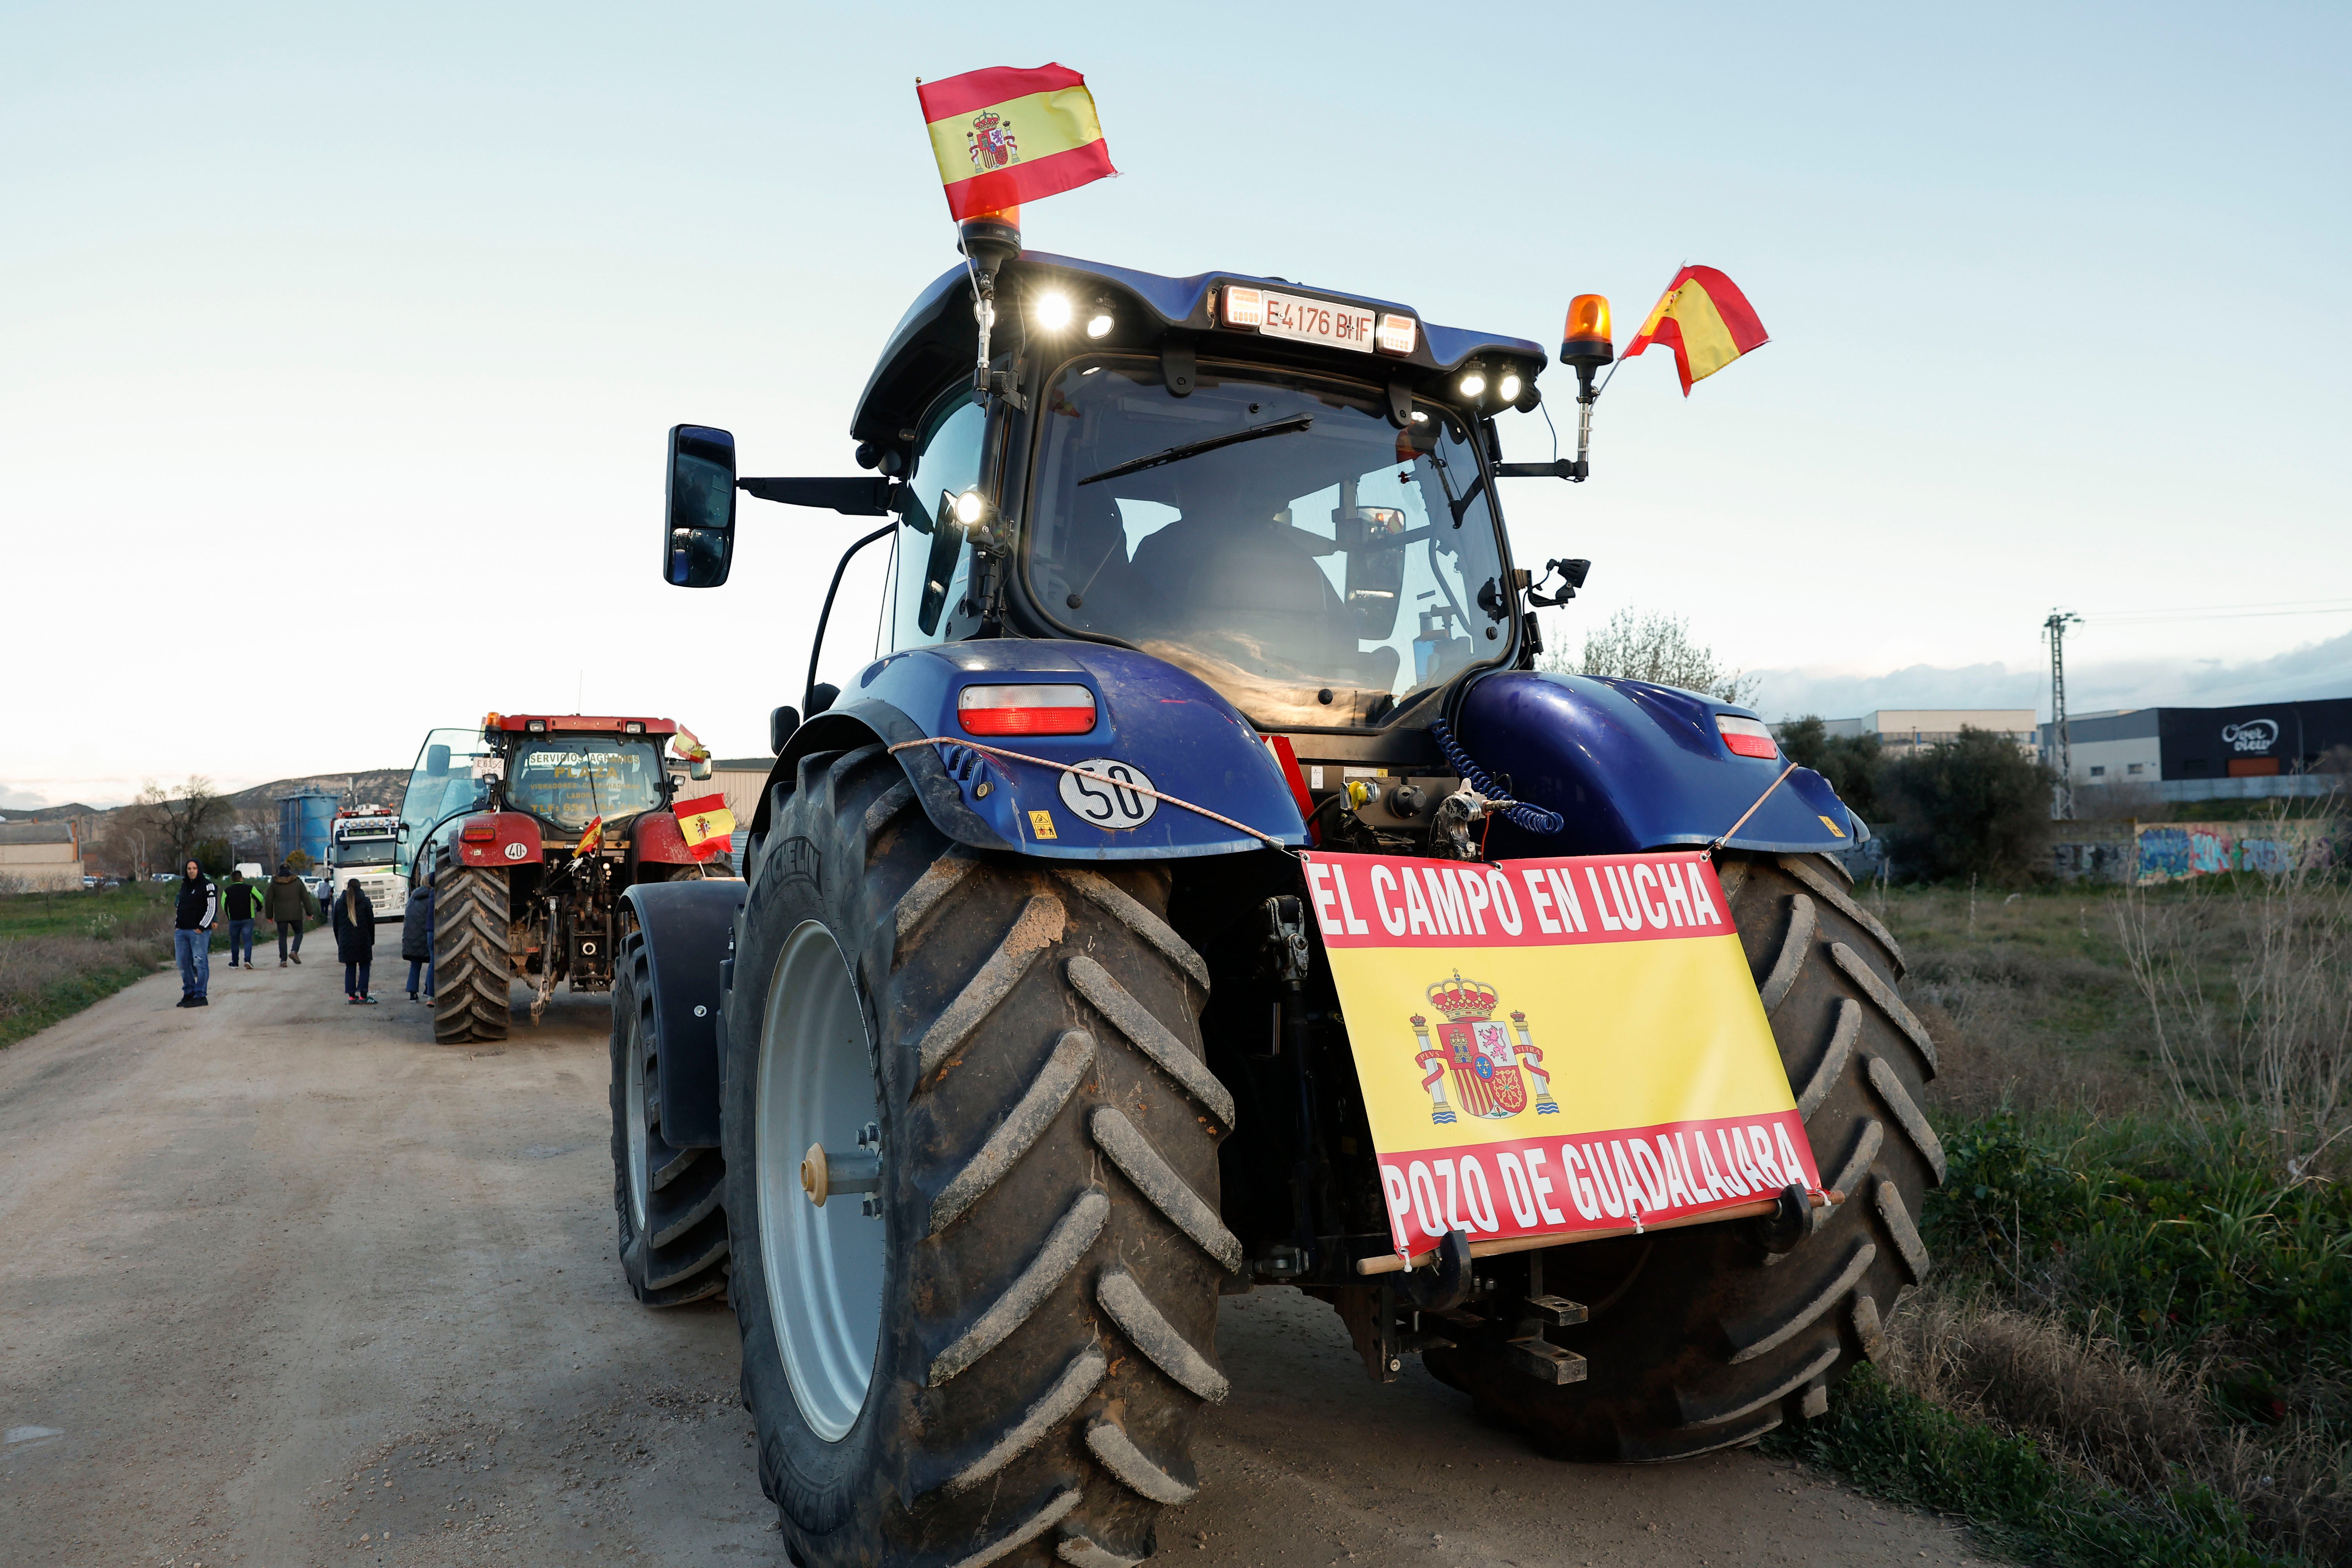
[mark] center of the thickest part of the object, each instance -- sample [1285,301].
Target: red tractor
[533,838]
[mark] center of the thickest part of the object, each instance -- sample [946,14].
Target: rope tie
[1752,811]
[1259,834]
[1522,813]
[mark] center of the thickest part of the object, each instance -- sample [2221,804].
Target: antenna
[2062,806]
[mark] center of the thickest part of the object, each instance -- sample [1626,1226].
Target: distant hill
[368,786]
[55,813]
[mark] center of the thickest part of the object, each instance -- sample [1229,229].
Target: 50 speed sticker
[1109,801]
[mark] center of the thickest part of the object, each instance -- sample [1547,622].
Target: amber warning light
[1025,710]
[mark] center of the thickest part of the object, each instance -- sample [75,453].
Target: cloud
[2313,672]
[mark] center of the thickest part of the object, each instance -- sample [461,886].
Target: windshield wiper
[1194,448]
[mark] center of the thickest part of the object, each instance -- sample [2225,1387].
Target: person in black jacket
[416,939]
[242,900]
[355,940]
[193,914]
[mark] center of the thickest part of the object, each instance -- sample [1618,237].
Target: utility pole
[2062,807]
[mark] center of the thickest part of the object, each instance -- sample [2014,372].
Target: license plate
[1308,321]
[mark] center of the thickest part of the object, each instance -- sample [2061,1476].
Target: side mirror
[780,725]
[821,697]
[699,526]
[698,771]
[437,761]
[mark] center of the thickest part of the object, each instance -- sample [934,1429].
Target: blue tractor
[1001,1074]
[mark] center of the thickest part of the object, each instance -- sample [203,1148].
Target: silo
[303,823]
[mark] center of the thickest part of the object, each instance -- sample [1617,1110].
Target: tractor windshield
[1274,534]
[571,780]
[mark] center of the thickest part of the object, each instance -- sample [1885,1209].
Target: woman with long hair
[355,941]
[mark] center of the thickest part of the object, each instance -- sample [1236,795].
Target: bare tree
[160,830]
[1647,645]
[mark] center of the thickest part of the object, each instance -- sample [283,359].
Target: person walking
[241,900]
[193,915]
[290,903]
[416,939]
[355,940]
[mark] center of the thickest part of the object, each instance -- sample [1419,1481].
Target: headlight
[1053,311]
[1474,386]
[1508,389]
[1099,324]
[969,507]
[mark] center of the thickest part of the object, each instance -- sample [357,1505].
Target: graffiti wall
[2153,852]
[2174,851]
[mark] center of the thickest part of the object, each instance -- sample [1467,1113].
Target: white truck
[362,842]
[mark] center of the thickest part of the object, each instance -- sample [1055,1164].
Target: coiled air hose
[1519,812]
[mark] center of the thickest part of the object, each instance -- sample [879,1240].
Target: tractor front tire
[471,954]
[999,1355]
[1700,1338]
[673,1241]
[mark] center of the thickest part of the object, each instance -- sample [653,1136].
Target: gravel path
[285,1283]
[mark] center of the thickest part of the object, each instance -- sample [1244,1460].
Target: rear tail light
[1747,737]
[534,726]
[634,727]
[1398,334]
[479,830]
[1025,710]
[1244,307]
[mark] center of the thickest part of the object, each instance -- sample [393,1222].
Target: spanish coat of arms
[1490,1070]
[990,142]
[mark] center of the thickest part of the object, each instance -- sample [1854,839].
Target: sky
[338,344]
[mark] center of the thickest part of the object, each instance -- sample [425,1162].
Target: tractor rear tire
[999,1358]
[471,964]
[1700,1338]
[673,1241]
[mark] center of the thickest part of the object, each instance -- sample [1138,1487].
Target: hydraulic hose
[1519,812]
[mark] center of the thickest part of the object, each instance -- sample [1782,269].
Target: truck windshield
[1274,534]
[571,780]
[370,843]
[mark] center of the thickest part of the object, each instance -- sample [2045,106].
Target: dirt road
[284,1282]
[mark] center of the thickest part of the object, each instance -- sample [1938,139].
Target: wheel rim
[640,1176]
[823,1266]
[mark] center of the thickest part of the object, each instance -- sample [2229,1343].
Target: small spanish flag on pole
[592,840]
[708,825]
[1004,136]
[1705,319]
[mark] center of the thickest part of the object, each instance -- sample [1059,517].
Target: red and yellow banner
[1003,136]
[1566,1046]
[592,839]
[1705,319]
[707,823]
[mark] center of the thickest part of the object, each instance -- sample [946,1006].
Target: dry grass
[59,953]
[2137,1425]
[2246,989]
[2028,998]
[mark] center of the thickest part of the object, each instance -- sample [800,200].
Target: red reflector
[479,830]
[1025,710]
[1747,737]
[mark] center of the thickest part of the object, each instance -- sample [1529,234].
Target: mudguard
[1170,726]
[688,930]
[1633,766]
[654,839]
[516,840]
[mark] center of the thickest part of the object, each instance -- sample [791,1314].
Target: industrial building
[1903,731]
[2199,753]
[39,857]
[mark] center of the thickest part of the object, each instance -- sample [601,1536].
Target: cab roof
[935,340]
[580,724]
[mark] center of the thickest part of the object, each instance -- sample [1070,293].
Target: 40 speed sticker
[1106,801]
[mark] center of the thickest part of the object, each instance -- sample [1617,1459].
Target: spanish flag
[1004,136]
[708,825]
[592,840]
[1705,319]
